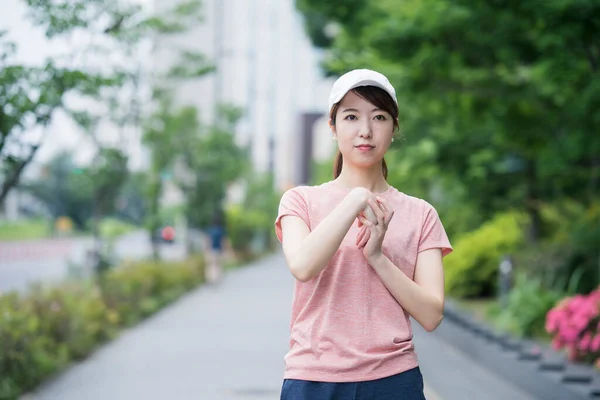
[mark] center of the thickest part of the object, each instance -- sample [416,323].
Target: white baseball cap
[356,78]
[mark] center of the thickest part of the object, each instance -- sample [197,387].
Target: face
[363,132]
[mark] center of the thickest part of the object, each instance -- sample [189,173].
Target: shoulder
[420,209]
[306,192]
[408,200]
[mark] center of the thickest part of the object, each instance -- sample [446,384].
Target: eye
[350,117]
[380,117]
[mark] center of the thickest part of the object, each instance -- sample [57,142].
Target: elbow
[433,324]
[299,270]
[435,320]
[302,277]
[301,274]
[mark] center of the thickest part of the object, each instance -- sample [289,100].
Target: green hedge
[42,331]
[472,269]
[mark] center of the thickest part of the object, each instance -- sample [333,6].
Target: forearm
[426,308]
[313,253]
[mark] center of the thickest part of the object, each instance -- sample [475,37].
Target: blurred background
[128,128]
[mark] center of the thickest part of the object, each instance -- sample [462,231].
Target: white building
[266,65]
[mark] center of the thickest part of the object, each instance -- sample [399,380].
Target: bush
[573,230]
[574,324]
[526,308]
[45,329]
[244,227]
[471,270]
[111,228]
[139,289]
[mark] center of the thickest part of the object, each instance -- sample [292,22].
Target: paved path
[227,342]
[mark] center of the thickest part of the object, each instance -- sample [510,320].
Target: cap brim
[363,82]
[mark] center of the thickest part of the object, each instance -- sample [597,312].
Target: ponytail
[339,163]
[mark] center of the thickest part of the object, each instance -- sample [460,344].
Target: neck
[369,178]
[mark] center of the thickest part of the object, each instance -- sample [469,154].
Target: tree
[31,96]
[505,92]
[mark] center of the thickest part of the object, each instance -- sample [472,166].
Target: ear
[332,127]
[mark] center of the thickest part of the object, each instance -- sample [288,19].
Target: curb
[536,369]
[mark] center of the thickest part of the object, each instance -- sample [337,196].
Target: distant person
[217,233]
[365,257]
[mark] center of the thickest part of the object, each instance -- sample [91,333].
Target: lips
[364,146]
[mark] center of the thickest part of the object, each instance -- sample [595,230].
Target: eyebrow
[355,110]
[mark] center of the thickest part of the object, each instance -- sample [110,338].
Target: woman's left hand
[373,239]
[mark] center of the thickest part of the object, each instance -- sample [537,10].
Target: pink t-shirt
[345,324]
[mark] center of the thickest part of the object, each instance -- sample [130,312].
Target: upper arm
[429,272]
[293,232]
[292,224]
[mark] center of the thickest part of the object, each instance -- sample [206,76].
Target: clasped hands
[373,222]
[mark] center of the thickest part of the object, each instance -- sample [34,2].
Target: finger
[360,235]
[389,217]
[382,204]
[365,239]
[366,222]
[378,212]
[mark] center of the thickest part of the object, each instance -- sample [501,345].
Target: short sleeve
[292,203]
[433,234]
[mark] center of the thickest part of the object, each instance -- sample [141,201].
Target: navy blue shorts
[404,386]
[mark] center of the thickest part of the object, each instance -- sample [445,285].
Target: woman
[217,234]
[365,257]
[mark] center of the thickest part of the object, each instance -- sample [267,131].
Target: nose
[365,130]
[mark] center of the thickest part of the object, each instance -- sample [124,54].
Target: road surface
[52,260]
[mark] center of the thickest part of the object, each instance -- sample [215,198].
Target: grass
[31,229]
[24,230]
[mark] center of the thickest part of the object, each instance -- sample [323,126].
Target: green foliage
[568,258]
[79,193]
[25,229]
[528,303]
[202,161]
[30,95]
[471,270]
[503,93]
[137,290]
[111,228]
[253,220]
[243,226]
[44,330]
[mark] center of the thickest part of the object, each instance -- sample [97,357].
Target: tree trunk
[532,201]
[13,178]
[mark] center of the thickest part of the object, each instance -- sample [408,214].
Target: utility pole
[252,76]
[273,64]
[218,6]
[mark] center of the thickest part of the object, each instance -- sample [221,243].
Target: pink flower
[584,343]
[580,322]
[553,320]
[557,343]
[572,323]
[569,334]
[595,345]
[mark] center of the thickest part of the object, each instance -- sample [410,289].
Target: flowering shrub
[574,324]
